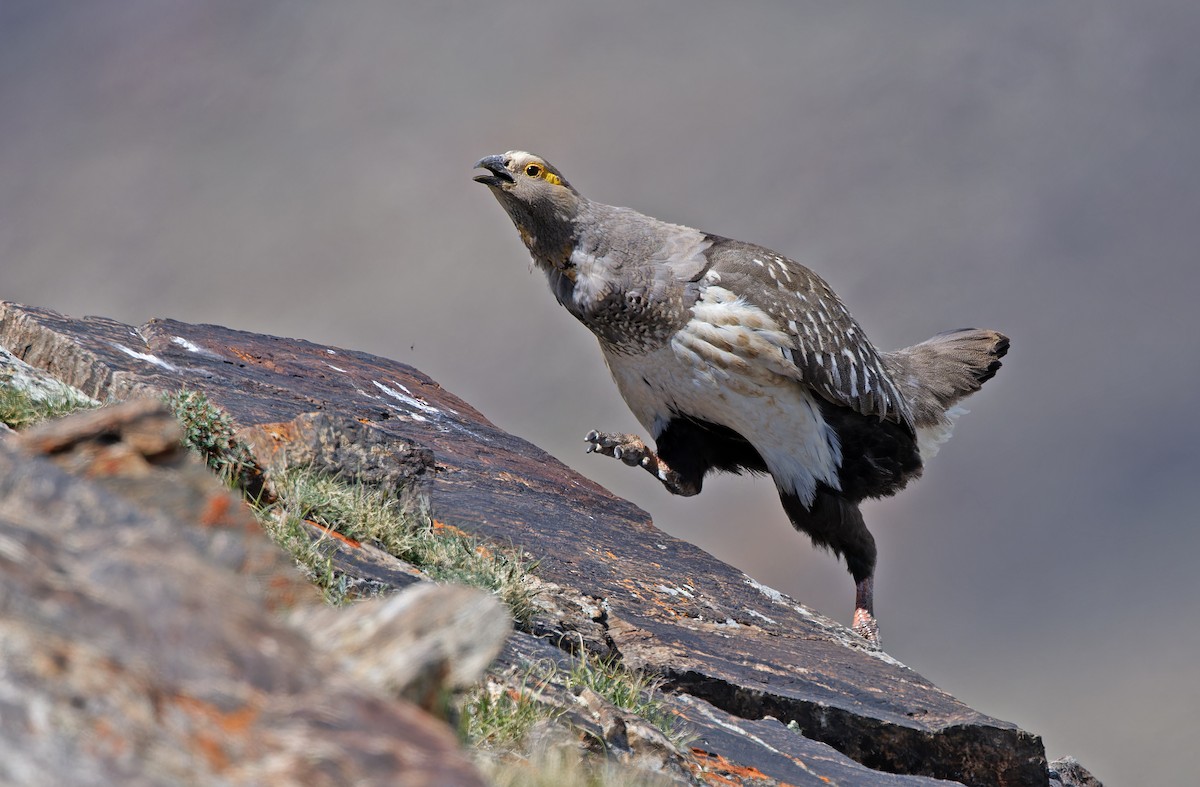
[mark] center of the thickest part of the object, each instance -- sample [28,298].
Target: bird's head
[538,199]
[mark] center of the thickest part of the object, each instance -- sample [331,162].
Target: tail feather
[938,373]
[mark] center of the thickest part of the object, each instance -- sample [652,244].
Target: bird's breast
[628,309]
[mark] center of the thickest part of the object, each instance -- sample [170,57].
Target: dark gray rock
[137,638]
[663,605]
[1067,772]
[722,748]
[38,384]
[339,445]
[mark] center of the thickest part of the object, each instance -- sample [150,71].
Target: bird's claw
[626,447]
[632,451]
[866,627]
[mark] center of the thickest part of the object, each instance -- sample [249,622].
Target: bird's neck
[552,245]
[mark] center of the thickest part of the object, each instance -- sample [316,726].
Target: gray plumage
[735,357]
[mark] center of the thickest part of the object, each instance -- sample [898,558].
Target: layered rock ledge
[774,691]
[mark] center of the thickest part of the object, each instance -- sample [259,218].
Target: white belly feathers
[725,367]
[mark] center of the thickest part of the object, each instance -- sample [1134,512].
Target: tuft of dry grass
[399,525]
[631,691]
[558,768]
[499,713]
[21,408]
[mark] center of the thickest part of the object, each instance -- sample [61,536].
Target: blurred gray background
[304,169]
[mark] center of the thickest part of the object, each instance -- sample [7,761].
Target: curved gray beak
[499,173]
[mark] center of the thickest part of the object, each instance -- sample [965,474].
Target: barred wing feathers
[817,341]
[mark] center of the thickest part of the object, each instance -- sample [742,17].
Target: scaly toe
[866,626]
[629,454]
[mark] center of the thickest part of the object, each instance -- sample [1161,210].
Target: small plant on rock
[208,430]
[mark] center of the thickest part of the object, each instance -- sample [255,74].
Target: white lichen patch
[406,398]
[194,348]
[150,359]
[185,344]
[769,592]
[755,614]
[834,629]
[674,591]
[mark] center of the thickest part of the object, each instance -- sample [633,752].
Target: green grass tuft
[498,716]
[20,408]
[631,691]
[400,527]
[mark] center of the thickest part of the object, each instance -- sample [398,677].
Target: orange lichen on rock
[208,742]
[439,526]
[716,769]
[329,531]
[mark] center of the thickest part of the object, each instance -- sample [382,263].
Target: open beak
[499,175]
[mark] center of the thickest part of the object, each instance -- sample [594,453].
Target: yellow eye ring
[533,170]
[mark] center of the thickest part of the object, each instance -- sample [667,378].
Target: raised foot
[632,451]
[627,447]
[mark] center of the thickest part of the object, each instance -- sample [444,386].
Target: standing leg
[835,523]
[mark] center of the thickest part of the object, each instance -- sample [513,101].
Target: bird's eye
[533,170]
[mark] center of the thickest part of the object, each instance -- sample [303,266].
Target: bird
[736,358]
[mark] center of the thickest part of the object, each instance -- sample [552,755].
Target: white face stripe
[519,158]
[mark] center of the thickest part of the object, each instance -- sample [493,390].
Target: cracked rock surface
[776,693]
[141,639]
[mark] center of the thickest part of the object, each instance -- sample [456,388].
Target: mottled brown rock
[670,608]
[133,450]
[569,619]
[137,650]
[139,428]
[415,644]
[328,443]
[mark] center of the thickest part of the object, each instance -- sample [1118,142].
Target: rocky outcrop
[1067,772]
[774,692]
[140,634]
